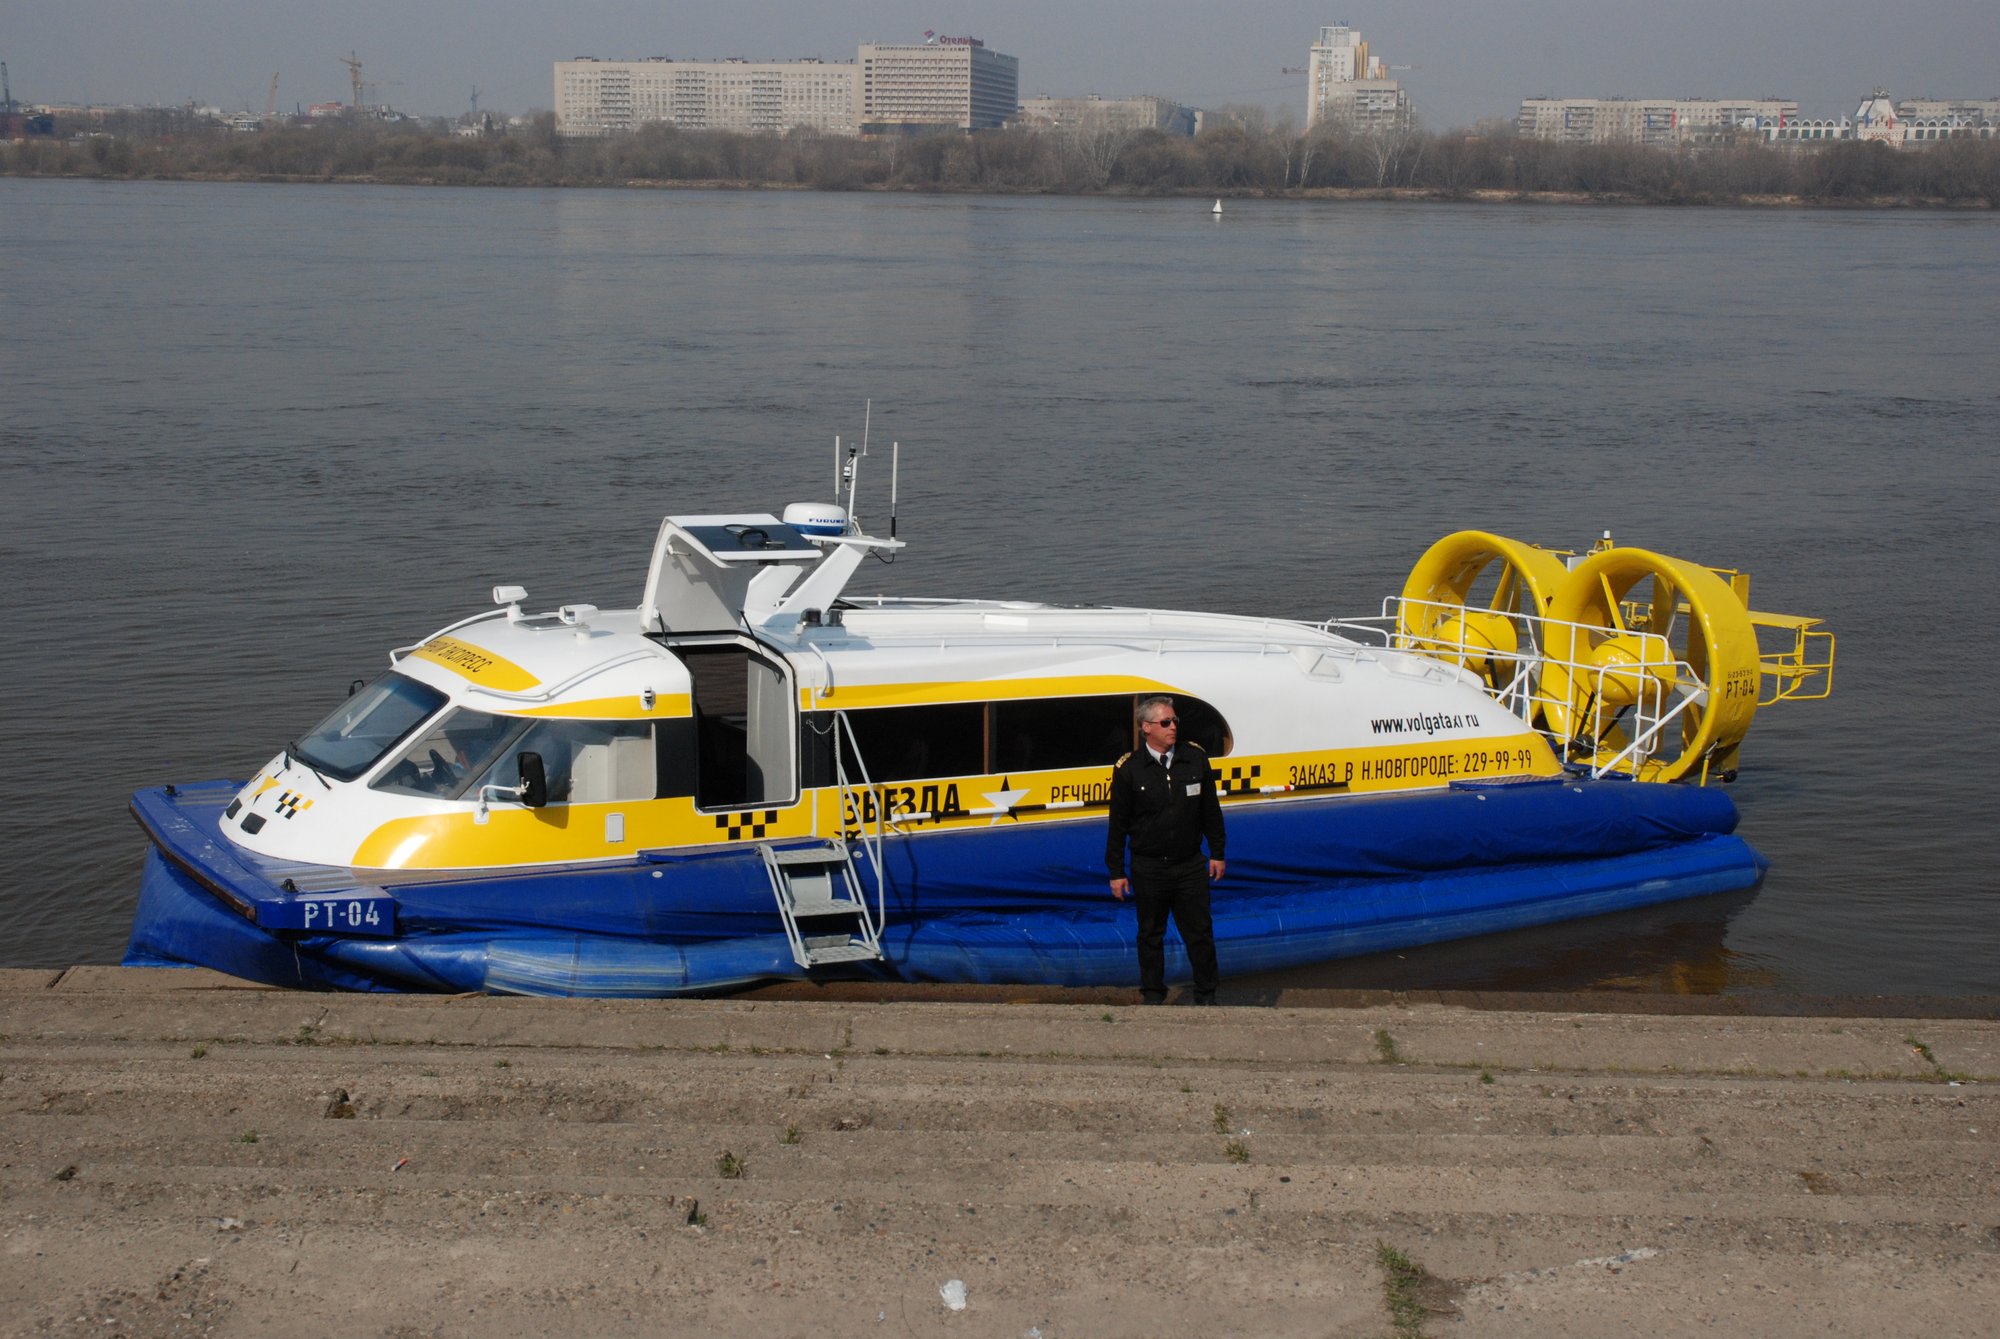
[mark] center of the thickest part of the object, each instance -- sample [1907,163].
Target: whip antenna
[850,473]
[850,469]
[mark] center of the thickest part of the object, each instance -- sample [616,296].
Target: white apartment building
[1095,113]
[940,84]
[1347,86]
[1663,121]
[1919,121]
[1671,121]
[615,97]
[1909,124]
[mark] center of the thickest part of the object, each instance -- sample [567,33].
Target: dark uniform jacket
[1166,815]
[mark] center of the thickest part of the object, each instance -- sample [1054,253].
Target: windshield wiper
[292,750]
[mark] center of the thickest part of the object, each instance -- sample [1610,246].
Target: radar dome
[816,518]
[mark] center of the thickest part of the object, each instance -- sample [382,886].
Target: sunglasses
[1169,721]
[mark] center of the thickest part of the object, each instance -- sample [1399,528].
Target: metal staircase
[827,920]
[827,916]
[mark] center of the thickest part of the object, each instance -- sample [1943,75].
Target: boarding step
[833,949]
[815,884]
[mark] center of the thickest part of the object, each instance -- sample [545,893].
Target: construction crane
[353,63]
[271,102]
[1293,69]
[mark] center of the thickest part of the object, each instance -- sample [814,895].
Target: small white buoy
[1218,208]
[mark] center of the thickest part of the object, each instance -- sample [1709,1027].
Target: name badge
[1194,788]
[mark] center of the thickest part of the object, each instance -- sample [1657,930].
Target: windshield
[367,725]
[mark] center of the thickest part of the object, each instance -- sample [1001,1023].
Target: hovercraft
[755,775]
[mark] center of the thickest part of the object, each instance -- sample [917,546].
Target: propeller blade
[1503,594]
[1611,608]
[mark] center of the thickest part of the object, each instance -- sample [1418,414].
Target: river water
[253,436]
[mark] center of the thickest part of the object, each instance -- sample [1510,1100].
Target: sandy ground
[183,1155]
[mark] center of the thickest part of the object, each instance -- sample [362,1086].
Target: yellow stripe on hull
[579,832]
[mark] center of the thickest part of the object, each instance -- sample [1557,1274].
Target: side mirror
[534,781]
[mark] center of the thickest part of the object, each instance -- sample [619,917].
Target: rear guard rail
[1799,671]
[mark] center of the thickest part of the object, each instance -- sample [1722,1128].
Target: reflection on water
[1677,949]
[255,436]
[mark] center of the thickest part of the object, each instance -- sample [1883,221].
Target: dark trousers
[1179,888]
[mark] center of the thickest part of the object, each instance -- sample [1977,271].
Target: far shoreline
[1307,195]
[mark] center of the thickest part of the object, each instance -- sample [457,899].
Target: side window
[1042,734]
[1204,725]
[587,762]
[1060,732]
[910,743]
[442,760]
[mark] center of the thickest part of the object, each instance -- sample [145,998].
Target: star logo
[1004,800]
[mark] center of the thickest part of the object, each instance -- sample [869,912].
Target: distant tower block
[1347,86]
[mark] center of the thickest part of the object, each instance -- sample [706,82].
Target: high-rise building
[1922,121]
[1347,86]
[1648,120]
[1970,111]
[613,97]
[1095,113]
[942,83]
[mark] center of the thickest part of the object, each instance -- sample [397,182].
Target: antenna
[847,474]
[851,473]
[850,469]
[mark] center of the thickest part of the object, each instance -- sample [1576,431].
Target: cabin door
[746,726]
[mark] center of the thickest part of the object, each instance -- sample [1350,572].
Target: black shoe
[1204,999]
[1153,999]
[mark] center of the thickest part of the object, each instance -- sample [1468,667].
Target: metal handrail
[776,876]
[1642,739]
[1521,693]
[871,844]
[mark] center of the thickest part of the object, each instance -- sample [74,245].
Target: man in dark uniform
[1163,800]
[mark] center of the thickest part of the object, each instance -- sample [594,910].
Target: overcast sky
[1469,58]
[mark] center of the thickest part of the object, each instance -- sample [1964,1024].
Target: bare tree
[1386,147]
[1453,163]
[1093,145]
[1315,143]
[1285,134]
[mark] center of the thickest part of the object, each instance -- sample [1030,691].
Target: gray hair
[1146,704]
